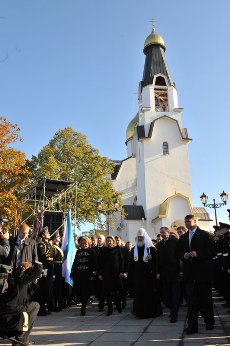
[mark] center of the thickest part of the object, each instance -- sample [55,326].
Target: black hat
[216,228]
[224,225]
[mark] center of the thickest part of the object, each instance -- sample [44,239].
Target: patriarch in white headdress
[142,239]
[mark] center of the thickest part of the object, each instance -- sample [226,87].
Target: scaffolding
[49,198]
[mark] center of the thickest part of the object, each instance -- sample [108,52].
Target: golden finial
[154,38]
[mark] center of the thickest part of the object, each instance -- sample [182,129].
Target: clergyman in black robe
[146,302]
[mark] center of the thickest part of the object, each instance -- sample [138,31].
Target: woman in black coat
[110,268]
[83,272]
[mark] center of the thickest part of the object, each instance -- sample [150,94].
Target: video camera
[3,220]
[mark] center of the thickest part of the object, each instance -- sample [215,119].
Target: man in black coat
[4,252]
[225,249]
[168,272]
[22,248]
[98,283]
[4,244]
[196,248]
[44,294]
[126,254]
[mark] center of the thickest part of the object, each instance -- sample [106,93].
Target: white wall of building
[132,227]
[163,175]
[126,181]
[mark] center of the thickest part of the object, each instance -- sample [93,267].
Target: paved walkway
[67,328]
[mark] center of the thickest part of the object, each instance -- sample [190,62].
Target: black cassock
[146,302]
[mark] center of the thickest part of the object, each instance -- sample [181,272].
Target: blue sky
[78,63]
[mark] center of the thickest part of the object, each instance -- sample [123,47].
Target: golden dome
[131,127]
[154,38]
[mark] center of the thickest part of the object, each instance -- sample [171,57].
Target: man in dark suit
[22,248]
[126,258]
[196,248]
[4,244]
[225,263]
[44,294]
[98,283]
[168,272]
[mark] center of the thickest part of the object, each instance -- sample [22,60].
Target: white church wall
[147,119]
[141,185]
[132,229]
[178,209]
[130,148]
[169,174]
[172,98]
[147,99]
[206,225]
[177,116]
[163,174]
[126,181]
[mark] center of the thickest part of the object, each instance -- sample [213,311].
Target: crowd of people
[178,267]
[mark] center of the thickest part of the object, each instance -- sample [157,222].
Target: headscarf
[147,244]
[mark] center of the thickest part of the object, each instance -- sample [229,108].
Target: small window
[165,148]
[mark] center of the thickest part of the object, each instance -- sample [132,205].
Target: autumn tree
[13,173]
[70,157]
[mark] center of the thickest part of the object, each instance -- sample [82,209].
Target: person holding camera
[196,249]
[18,310]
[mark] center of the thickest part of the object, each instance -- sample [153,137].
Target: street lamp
[214,205]
[108,212]
[228,213]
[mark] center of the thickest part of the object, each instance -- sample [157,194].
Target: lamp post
[108,212]
[228,214]
[214,205]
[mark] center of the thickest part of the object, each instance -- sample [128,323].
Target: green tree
[14,175]
[70,157]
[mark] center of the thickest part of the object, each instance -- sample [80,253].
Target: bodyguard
[225,249]
[196,248]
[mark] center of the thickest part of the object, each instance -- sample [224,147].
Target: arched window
[160,81]
[165,148]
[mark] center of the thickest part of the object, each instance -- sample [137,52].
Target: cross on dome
[152,21]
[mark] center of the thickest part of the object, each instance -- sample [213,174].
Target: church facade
[154,179]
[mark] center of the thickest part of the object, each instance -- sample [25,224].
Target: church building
[154,179]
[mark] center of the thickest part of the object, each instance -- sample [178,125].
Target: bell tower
[157,140]
[154,179]
[157,91]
